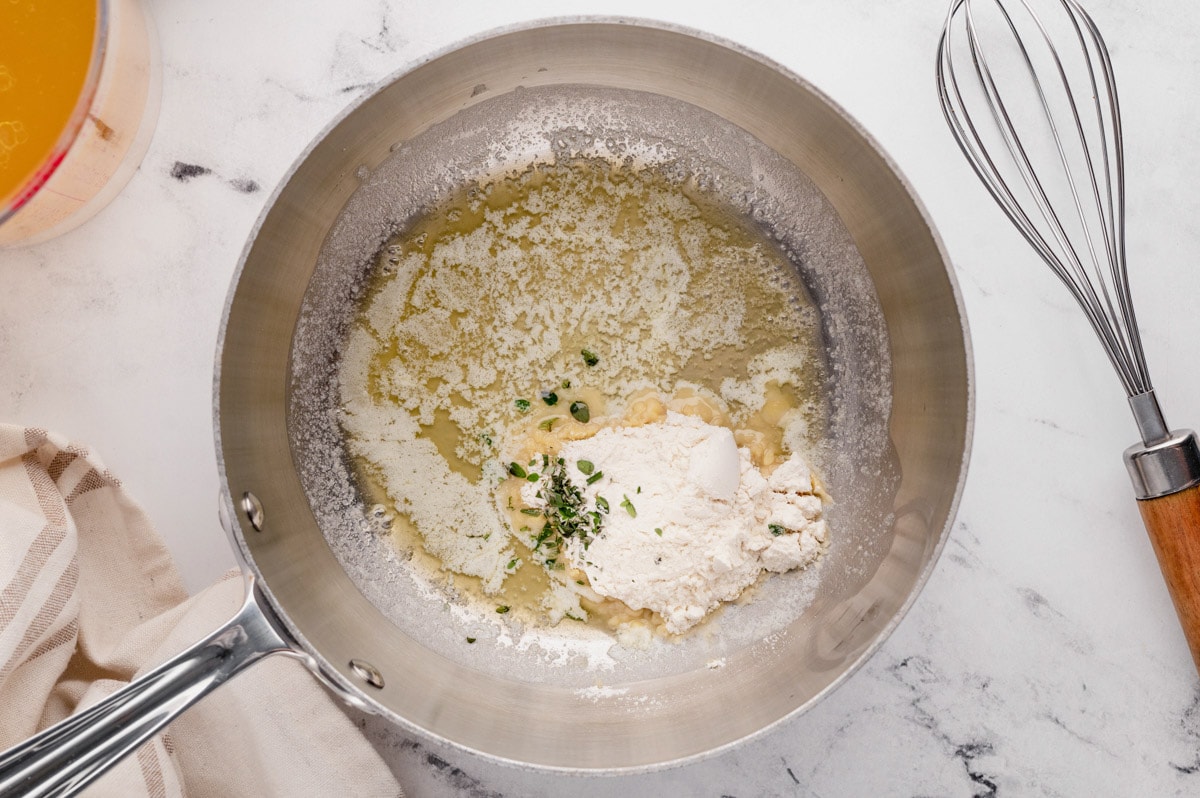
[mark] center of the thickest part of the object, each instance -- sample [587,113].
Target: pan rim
[356,696]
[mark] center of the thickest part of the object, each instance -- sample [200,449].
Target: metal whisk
[1030,97]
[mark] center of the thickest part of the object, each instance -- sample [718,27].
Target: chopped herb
[628,505]
[776,529]
[602,504]
[595,477]
[524,529]
[510,502]
[658,531]
[580,582]
[532,476]
[566,384]
[512,563]
[639,490]
[503,608]
[470,640]
[487,439]
[580,412]
[550,562]
[548,423]
[589,357]
[585,466]
[550,398]
[572,617]
[516,470]
[522,405]
[530,511]
[565,513]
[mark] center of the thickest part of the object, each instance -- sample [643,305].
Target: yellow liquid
[492,296]
[45,52]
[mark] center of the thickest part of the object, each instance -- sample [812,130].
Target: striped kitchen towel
[89,597]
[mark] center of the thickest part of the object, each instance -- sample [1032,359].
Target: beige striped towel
[89,597]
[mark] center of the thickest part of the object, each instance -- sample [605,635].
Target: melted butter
[491,296]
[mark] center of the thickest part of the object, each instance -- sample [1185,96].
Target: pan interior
[556,124]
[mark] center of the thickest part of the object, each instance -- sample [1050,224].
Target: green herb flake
[516,470]
[470,640]
[565,514]
[547,423]
[503,608]
[566,384]
[639,490]
[776,529]
[513,563]
[585,466]
[628,505]
[595,477]
[580,582]
[658,531]
[522,405]
[530,511]
[580,412]
[550,398]
[602,503]
[589,357]
[532,476]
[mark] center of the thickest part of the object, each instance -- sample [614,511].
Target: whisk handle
[1173,523]
[1166,478]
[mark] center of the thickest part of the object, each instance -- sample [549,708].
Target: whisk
[1030,97]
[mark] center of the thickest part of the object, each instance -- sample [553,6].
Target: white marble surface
[1043,657]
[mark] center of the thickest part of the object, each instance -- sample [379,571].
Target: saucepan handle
[68,756]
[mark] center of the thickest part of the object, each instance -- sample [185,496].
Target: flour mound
[689,520]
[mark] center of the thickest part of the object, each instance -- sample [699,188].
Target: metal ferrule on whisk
[1165,462]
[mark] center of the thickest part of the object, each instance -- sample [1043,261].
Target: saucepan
[323,585]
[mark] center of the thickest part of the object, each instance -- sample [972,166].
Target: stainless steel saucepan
[898,411]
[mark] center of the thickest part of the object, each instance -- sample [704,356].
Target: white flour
[690,521]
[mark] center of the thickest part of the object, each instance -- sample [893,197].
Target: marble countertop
[1042,658]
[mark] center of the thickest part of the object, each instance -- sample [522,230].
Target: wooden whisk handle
[1173,523]
[1166,480]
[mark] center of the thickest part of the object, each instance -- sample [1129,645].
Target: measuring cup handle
[1173,523]
[68,756]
